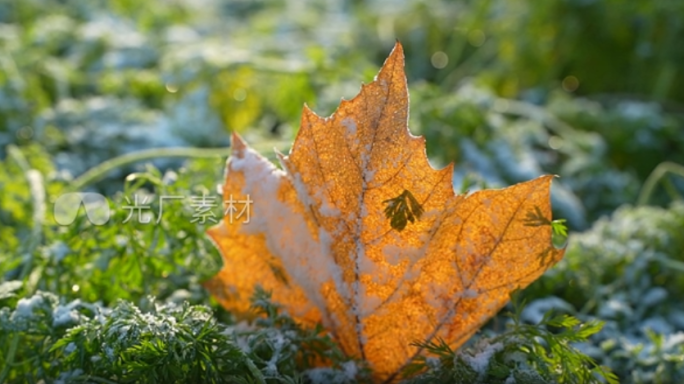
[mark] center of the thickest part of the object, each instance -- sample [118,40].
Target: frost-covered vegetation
[507,89]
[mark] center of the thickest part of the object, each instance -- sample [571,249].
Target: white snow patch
[109,351]
[350,124]
[468,294]
[306,256]
[336,274]
[326,208]
[394,254]
[436,299]
[480,361]
[300,187]
[365,156]
[534,311]
[369,175]
[653,296]
[320,375]
[350,369]
[673,340]
[58,251]
[71,347]
[66,314]
[69,376]
[656,324]
[384,85]
[367,303]
[346,374]
[361,259]
[277,342]
[25,306]
[433,362]
[364,212]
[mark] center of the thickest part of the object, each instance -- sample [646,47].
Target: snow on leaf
[359,232]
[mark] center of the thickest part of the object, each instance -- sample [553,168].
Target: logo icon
[67,206]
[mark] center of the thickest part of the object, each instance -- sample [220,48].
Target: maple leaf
[359,232]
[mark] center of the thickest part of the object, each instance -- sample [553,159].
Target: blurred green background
[590,90]
[508,90]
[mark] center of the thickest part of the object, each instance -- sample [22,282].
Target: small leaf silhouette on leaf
[402,209]
[359,232]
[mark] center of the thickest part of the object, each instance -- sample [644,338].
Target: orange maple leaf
[359,232]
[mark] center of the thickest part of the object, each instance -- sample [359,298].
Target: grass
[97,96]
